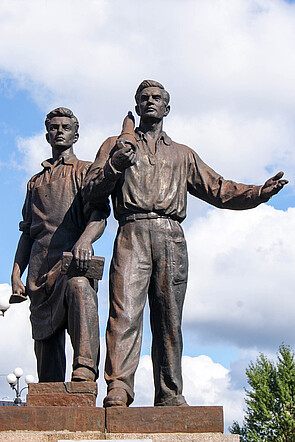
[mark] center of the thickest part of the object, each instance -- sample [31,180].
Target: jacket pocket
[179,261]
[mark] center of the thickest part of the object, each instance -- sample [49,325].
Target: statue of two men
[147,176]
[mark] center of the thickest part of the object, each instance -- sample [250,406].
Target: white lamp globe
[18,372]
[4,305]
[29,379]
[11,379]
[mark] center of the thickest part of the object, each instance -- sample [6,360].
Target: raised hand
[124,155]
[273,185]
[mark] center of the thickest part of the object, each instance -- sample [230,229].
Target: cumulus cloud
[16,343]
[230,72]
[243,149]
[229,52]
[205,382]
[241,278]
[33,150]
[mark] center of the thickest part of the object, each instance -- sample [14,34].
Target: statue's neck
[57,153]
[152,129]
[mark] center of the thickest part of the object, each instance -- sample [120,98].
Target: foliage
[270,412]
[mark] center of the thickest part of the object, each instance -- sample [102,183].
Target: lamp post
[4,305]
[14,380]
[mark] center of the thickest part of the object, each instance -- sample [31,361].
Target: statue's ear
[137,110]
[47,137]
[167,110]
[76,137]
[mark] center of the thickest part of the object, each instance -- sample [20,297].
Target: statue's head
[62,128]
[152,100]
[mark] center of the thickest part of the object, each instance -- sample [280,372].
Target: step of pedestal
[59,394]
[113,420]
[30,436]
[52,419]
[164,420]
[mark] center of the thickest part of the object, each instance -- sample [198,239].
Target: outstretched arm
[211,187]
[82,250]
[21,261]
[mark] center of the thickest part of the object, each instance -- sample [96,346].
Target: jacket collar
[163,136]
[69,159]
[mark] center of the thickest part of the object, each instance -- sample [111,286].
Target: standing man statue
[148,179]
[56,219]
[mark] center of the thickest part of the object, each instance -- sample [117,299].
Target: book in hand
[94,270]
[16,298]
[70,268]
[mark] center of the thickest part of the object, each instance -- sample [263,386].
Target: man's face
[61,133]
[152,105]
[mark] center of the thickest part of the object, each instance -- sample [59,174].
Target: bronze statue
[56,219]
[148,180]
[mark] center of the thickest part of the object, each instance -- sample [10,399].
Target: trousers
[82,325]
[149,260]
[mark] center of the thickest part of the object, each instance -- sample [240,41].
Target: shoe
[116,397]
[174,402]
[83,374]
[185,404]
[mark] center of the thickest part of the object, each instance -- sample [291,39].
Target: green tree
[270,403]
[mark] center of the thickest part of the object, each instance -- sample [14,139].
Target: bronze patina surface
[148,175]
[57,219]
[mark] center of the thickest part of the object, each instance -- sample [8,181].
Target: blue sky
[229,67]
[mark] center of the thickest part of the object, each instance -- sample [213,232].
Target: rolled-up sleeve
[101,178]
[25,224]
[101,208]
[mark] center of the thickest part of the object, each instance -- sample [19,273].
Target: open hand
[82,252]
[273,185]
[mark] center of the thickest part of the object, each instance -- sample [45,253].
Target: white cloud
[222,53]
[17,348]
[229,67]
[143,383]
[33,150]
[242,278]
[243,149]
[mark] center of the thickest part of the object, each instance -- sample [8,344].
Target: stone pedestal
[159,424]
[69,394]
[43,419]
[30,436]
[164,420]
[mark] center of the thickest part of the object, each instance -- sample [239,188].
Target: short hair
[61,112]
[151,83]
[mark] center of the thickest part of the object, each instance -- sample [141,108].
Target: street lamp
[4,305]
[14,378]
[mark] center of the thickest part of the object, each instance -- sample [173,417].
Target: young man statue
[57,219]
[148,180]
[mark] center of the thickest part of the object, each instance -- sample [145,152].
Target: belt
[136,216]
